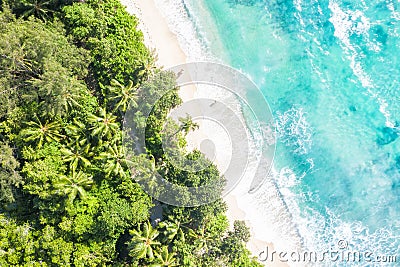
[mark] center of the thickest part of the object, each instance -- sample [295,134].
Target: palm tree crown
[104,125]
[116,162]
[38,8]
[76,184]
[123,95]
[77,154]
[165,258]
[143,242]
[187,124]
[41,132]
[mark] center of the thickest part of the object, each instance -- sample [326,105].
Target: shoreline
[159,38]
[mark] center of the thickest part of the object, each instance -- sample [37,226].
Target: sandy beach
[159,37]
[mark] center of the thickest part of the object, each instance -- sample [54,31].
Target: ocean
[330,71]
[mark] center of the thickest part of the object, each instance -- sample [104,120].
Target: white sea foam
[395,14]
[181,24]
[322,233]
[347,23]
[297,4]
[293,130]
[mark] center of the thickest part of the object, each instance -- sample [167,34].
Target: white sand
[159,37]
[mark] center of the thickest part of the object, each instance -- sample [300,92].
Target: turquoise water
[331,73]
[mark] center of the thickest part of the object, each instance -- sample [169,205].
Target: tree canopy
[68,197]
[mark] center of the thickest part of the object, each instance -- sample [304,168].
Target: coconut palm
[77,132]
[147,66]
[77,154]
[143,242]
[39,8]
[116,162]
[143,171]
[123,95]
[68,99]
[187,124]
[59,92]
[172,230]
[104,125]
[42,132]
[74,185]
[164,258]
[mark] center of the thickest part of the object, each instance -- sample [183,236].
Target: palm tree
[104,125]
[147,65]
[116,162]
[41,132]
[77,132]
[165,258]
[173,229]
[59,92]
[76,154]
[143,171]
[123,95]
[143,242]
[75,185]
[187,124]
[39,8]
[68,99]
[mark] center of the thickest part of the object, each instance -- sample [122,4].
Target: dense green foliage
[67,197]
[109,32]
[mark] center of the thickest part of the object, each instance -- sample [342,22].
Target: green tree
[122,96]
[111,35]
[173,229]
[143,171]
[201,238]
[38,65]
[38,8]
[147,66]
[118,212]
[115,160]
[187,124]
[42,167]
[234,246]
[241,231]
[80,219]
[104,125]
[10,178]
[143,242]
[17,242]
[74,185]
[53,248]
[77,155]
[93,254]
[42,9]
[77,133]
[39,132]
[164,258]
[59,91]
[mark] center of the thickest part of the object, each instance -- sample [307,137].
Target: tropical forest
[69,196]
